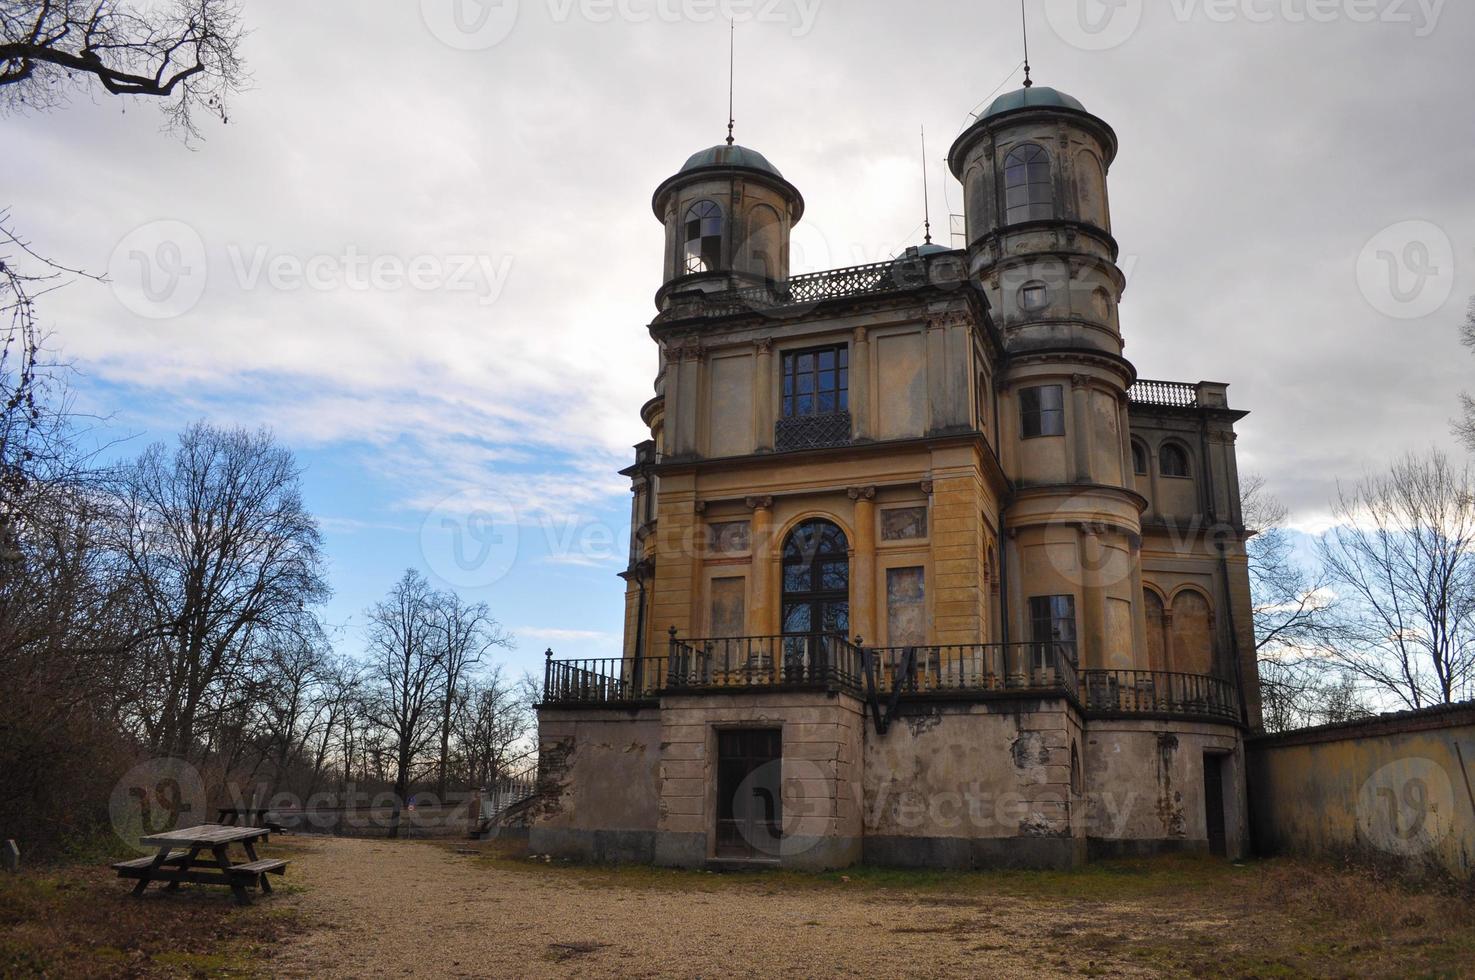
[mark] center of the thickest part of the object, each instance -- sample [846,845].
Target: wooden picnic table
[178,860]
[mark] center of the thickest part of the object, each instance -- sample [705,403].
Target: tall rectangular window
[1042,410]
[1052,627]
[816,382]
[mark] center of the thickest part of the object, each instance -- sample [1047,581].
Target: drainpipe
[1003,536]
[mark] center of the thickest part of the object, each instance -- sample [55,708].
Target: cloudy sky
[422,249]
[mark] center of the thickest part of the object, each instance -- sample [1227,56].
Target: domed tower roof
[729,156]
[729,159]
[1018,104]
[1035,97]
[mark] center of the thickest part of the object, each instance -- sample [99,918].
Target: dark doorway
[749,783]
[816,595]
[1214,803]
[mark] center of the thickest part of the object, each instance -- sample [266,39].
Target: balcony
[1152,692]
[833,663]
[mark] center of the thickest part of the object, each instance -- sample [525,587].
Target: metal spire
[926,202]
[731,45]
[1024,22]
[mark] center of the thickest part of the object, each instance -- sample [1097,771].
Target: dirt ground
[419,909]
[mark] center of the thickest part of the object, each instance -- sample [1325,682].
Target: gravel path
[406,908]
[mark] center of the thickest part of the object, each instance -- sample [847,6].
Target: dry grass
[1171,915]
[82,922]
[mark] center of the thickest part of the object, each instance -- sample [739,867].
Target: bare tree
[1402,558]
[221,557]
[493,723]
[1293,611]
[1465,425]
[465,633]
[408,666]
[182,52]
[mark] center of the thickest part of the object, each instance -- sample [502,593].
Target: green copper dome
[1037,97]
[730,156]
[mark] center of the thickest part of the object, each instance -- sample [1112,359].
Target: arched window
[703,237]
[1172,460]
[1029,194]
[1139,459]
[816,579]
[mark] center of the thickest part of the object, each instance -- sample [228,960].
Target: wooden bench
[259,870]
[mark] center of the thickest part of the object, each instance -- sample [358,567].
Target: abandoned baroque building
[921,573]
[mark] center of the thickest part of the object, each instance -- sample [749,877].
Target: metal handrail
[1136,692]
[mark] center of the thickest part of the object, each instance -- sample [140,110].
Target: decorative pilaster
[1079,426]
[763,408]
[860,384]
[762,620]
[863,562]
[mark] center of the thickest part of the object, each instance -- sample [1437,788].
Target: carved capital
[764,345]
[926,486]
[759,503]
[862,493]
[700,506]
[1080,381]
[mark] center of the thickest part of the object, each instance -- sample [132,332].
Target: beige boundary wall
[1393,788]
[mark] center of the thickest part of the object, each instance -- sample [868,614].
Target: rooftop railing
[897,275]
[1164,394]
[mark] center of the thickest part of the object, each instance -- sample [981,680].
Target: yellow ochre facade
[920,571]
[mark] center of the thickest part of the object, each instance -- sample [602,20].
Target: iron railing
[812,431]
[1164,394]
[898,275]
[730,664]
[1154,692]
[764,661]
[975,667]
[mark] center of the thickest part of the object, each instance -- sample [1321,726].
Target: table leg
[189,859]
[148,875]
[251,853]
[223,859]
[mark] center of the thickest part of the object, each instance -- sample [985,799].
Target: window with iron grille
[816,382]
[1042,411]
[1052,626]
[703,237]
[1029,194]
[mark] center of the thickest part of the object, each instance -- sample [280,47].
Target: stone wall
[1397,788]
[599,784]
[937,795]
[1145,787]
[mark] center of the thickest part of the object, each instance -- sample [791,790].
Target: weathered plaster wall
[1397,788]
[1145,787]
[599,784]
[968,785]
